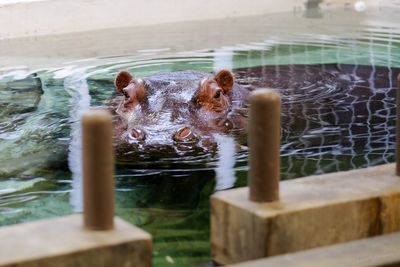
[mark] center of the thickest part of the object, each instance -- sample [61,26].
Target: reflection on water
[334,116]
[76,85]
[337,114]
[224,171]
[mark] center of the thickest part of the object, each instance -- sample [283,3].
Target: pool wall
[34,18]
[35,40]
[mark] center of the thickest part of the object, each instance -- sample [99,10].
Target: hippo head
[175,113]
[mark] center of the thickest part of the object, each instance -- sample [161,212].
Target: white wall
[44,17]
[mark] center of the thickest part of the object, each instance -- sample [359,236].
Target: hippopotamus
[172,114]
[338,109]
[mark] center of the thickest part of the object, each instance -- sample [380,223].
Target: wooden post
[398,127]
[264,142]
[98,170]
[67,243]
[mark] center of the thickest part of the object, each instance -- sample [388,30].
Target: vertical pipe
[264,143]
[98,170]
[398,126]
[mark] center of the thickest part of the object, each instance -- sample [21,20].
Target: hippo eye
[217,94]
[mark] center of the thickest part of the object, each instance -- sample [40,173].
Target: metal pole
[264,143]
[98,170]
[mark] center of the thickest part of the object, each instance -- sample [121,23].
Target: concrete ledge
[63,16]
[44,17]
[62,242]
[41,46]
[375,251]
[313,211]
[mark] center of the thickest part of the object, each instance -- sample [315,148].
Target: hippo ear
[122,80]
[224,79]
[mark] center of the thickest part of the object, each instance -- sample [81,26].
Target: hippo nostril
[185,134]
[125,93]
[136,135]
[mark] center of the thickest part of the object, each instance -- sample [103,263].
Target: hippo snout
[184,135]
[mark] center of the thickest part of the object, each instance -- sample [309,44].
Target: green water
[170,202]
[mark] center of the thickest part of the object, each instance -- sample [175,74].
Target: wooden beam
[63,242]
[375,251]
[313,211]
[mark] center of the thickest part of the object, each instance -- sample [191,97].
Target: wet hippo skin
[331,107]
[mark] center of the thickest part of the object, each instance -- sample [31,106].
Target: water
[328,123]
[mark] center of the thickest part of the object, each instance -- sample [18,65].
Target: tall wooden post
[98,170]
[264,143]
